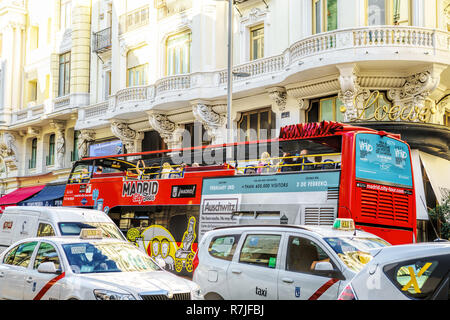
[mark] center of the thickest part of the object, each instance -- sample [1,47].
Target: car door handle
[29,279]
[287,280]
[2,274]
[236,271]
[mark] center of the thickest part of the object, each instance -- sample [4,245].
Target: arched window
[137,66]
[178,53]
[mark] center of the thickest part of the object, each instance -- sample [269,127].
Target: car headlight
[197,293]
[111,295]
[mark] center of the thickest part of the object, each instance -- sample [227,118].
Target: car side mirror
[161,262]
[47,267]
[324,267]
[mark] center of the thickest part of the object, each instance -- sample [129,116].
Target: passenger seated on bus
[165,172]
[84,174]
[287,163]
[303,160]
[178,171]
[250,169]
[140,169]
[318,166]
[264,164]
[99,170]
[195,165]
[328,166]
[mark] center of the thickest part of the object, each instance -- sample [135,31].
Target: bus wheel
[189,264]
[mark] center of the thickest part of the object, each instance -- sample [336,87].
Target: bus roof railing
[339,129]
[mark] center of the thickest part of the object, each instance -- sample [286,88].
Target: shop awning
[438,172]
[50,195]
[19,195]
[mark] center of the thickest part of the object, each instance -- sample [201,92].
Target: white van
[17,223]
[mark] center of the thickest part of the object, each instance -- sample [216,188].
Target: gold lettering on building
[376,109]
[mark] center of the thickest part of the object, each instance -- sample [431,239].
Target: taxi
[405,272]
[86,268]
[282,261]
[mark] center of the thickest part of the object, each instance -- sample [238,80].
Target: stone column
[81,46]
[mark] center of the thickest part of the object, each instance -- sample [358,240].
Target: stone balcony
[306,60]
[60,107]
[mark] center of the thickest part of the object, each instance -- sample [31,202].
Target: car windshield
[355,252]
[109,229]
[107,257]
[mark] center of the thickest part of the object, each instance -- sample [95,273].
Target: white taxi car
[282,261]
[405,272]
[86,268]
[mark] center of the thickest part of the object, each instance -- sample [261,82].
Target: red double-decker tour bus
[311,174]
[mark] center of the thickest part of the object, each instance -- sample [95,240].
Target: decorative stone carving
[123,131]
[303,104]
[211,120]
[348,81]
[85,138]
[168,130]
[60,142]
[416,89]
[8,151]
[128,136]
[33,131]
[278,96]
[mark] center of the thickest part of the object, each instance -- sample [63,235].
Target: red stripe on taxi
[48,286]
[323,288]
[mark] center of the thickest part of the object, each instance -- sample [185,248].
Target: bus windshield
[382,159]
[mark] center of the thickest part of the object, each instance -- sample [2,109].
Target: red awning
[20,194]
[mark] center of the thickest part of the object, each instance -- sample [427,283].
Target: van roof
[59,213]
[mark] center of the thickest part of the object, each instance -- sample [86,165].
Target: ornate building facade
[45,52]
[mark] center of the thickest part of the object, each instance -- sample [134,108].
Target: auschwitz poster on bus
[224,199]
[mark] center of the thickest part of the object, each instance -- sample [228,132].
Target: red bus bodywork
[386,211]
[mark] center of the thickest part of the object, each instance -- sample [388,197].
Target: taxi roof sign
[344,224]
[91,233]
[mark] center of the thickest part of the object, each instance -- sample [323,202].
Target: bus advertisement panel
[383,160]
[304,198]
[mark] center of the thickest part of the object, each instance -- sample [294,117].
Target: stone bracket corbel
[279,97]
